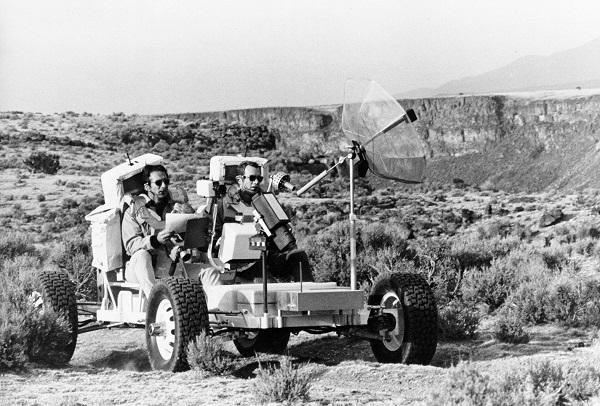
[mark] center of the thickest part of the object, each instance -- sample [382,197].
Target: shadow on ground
[132,360]
[331,350]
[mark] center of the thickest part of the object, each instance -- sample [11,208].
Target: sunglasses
[252,178]
[160,182]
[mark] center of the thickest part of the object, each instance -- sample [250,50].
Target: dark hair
[148,169]
[244,164]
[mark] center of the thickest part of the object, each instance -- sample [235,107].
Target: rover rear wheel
[272,340]
[176,314]
[410,298]
[58,295]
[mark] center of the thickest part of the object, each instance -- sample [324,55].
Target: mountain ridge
[571,68]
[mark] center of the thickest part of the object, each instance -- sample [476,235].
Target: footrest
[125,285]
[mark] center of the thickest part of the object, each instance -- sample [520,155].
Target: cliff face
[520,141]
[315,131]
[513,142]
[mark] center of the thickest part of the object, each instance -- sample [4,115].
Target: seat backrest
[126,201]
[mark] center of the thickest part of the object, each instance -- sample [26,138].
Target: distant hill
[577,67]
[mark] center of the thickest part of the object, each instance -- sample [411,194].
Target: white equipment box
[105,224]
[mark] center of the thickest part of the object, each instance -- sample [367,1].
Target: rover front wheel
[176,314]
[414,338]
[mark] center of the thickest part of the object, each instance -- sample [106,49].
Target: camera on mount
[274,220]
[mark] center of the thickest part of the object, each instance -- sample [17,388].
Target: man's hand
[163,236]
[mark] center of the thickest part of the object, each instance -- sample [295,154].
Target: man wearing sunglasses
[238,201]
[141,221]
[250,181]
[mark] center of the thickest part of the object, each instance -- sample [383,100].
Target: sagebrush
[283,383]
[206,353]
[540,382]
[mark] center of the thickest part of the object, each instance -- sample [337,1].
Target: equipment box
[105,224]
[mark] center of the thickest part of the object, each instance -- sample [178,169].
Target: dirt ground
[110,367]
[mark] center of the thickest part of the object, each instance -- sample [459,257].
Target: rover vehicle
[399,317]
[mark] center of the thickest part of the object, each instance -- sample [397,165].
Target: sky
[165,56]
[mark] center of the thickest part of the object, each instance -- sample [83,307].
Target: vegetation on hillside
[483,251]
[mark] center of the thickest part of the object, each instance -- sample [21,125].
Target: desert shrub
[434,260]
[207,354]
[18,279]
[458,320]
[471,251]
[329,253]
[372,263]
[509,328]
[43,162]
[465,385]
[13,244]
[41,197]
[574,300]
[74,256]
[493,229]
[492,285]
[378,249]
[69,203]
[556,256]
[539,383]
[286,383]
[569,297]
[529,300]
[585,246]
[582,382]
[26,334]
[12,350]
[44,334]
[378,236]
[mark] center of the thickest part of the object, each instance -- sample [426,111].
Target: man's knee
[141,257]
[140,267]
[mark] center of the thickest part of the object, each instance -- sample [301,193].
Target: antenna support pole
[350,158]
[353,150]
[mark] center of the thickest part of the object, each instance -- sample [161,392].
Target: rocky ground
[110,367]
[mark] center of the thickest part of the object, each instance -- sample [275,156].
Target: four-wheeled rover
[399,317]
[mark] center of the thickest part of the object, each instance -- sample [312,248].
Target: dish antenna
[381,136]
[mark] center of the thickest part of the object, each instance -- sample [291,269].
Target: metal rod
[300,276]
[352,224]
[212,238]
[362,333]
[319,177]
[90,328]
[387,128]
[264,275]
[225,313]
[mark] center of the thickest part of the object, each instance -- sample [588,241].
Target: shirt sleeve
[133,235]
